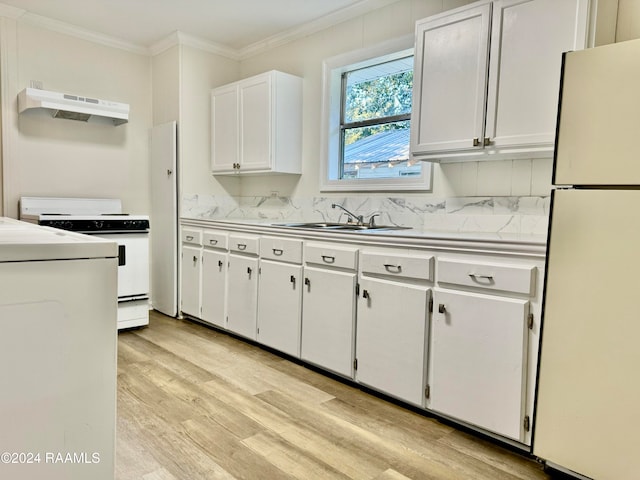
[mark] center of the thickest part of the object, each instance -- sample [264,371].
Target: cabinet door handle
[365,294]
[242,246]
[169,172]
[393,268]
[476,142]
[292,279]
[307,282]
[195,259]
[487,141]
[328,258]
[249,271]
[442,308]
[277,251]
[220,263]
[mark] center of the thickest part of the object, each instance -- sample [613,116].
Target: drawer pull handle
[277,251]
[189,238]
[213,242]
[485,279]
[328,258]
[393,268]
[242,246]
[442,308]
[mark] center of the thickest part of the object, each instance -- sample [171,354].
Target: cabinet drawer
[244,243]
[506,278]
[282,249]
[331,255]
[398,265]
[215,239]
[192,236]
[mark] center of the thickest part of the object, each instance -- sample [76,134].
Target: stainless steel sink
[329,226]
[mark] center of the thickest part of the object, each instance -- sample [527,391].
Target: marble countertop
[535,244]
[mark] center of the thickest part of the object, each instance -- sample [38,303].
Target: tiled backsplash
[520,215]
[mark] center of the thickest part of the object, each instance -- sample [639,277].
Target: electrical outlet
[36,84]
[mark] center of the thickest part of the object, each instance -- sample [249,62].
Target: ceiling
[233,24]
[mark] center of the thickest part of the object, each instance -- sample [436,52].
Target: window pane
[379,151]
[379,91]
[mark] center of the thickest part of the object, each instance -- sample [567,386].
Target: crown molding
[334,18]
[11,12]
[181,38]
[82,33]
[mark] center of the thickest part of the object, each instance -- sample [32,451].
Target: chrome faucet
[357,218]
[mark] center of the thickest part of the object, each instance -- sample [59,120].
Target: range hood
[72,107]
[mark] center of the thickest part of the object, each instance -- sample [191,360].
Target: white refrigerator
[588,399]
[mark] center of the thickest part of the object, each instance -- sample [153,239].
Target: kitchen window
[367,116]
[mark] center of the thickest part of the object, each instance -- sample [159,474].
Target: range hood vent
[72,107]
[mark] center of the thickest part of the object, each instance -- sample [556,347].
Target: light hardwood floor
[194,403]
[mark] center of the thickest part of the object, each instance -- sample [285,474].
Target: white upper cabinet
[257,125]
[486,78]
[225,130]
[450,78]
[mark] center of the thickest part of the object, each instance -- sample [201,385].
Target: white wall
[200,71]
[53,157]
[304,57]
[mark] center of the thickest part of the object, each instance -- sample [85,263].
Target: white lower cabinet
[392,322]
[191,271]
[214,284]
[242,284]
[190,280]
[214,278]
[279,306]
[242,295]
[391,338]
[477,360]
[457,335]
[329,307]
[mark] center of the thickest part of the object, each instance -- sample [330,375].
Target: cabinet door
[391,338]
[214,281]
[255,123]
[477,360]
[242,295]
[225,137]
[528,38]
[450,78]
[279,306]
[190,280]
[328,319]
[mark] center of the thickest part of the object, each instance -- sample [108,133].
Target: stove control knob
[98,224]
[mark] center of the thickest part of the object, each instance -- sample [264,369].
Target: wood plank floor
[194,403]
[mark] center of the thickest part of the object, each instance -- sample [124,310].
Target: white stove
[103,217]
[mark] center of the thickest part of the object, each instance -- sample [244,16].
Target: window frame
[332,111]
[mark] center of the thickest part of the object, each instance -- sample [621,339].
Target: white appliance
[58,350]
[164,216]
[588,390]
[72,107]
[103,217]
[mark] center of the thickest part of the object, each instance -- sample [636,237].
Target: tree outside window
[375,121]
